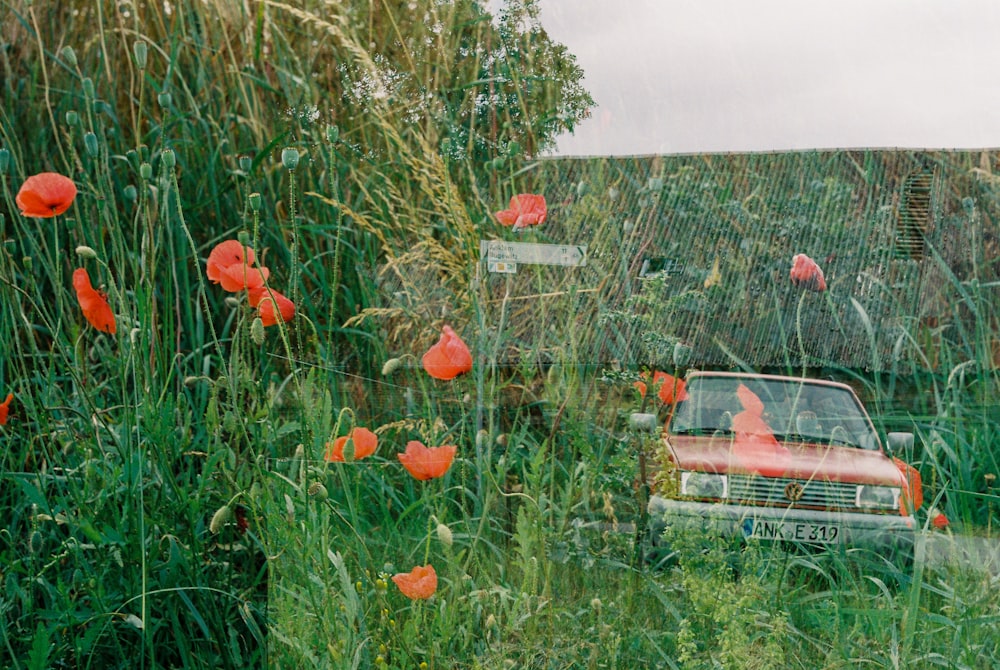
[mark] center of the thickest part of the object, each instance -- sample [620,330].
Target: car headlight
[878,497]
[704,485]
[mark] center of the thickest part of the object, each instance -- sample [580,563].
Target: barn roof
[698,249]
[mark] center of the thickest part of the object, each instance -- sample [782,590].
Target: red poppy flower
[4,408]
[448,358]
[526,209]
[671,388]
[230,263]
[365,443]
[939,520]
[807,274]
[755,445]
[913,488]
[93,303]
[46,195]
[418,584]
[265,299]
[427,462]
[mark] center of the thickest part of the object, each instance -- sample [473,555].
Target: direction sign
[503,254]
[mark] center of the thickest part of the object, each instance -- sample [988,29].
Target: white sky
[692,76]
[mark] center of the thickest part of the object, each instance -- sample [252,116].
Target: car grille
[775,491]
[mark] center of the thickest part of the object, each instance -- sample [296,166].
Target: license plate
[792,531]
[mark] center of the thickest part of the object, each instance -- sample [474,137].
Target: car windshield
[792,410]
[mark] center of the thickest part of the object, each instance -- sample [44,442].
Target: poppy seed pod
[145,171]
[168,158]
[164,99]
[290,158]
[254,200]
[245,162]
[318,491]
[88,87]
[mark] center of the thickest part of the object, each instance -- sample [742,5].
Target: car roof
[781,378]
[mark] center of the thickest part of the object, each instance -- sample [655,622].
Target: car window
[793,410]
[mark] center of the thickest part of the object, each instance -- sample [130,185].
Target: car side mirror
[900,443]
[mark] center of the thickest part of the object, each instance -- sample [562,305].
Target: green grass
[166,501]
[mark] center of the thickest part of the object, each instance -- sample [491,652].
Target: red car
[777,458]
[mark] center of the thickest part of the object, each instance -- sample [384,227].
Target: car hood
[789,459]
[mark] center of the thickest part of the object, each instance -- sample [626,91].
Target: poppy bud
[27,263]
[628,226]
[332,134]
[168,158]
[86,252]
[254,200]
[69,56]
[444,535]
[164,99]
[446,145]
[90,143]
[72,118]
[391,366]
[257,331]
[613,194]
[219,519]
[146,171]
[130,193]
[290,158]
[88,87]
[582,189]
[139,51]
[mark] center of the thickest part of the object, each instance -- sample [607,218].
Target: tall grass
[167,499]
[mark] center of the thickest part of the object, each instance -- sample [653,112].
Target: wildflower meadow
[266,405]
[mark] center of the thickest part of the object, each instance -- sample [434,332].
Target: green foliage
[167,501]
